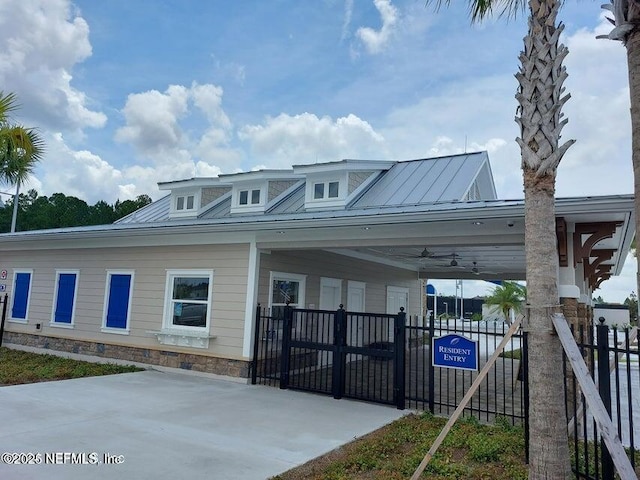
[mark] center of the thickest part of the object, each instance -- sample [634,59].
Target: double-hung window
[21,295]
[324,190]
[249,197]
[188,300]
[117,304]
[66,289]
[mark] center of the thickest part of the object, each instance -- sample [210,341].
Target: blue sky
[129,93]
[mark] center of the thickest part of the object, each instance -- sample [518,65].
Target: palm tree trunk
[541,98]
[14,217]
[548,447]
[633,60]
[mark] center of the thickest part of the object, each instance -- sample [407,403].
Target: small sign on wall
[3,275]
[3,287]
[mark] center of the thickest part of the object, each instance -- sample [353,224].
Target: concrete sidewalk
[170,425]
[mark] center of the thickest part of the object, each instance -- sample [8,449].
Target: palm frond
[480,9]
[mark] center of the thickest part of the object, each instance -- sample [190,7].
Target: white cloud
[41,42]
[152,119]
[376,40]
[285,140]
[348,14]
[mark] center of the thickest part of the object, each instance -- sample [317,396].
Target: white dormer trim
[332,185]
[185,203]
[248,197]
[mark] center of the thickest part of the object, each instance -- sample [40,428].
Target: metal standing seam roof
[408,183]
[433,180]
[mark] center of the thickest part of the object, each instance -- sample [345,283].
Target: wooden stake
[474,386]
[592,397]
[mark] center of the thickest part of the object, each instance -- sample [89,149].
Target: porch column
[569,295]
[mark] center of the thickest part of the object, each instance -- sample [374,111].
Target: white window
[21,293]
[247,197]
[286,288]
[64,298]
[188,300]
[326,190]
[185,202]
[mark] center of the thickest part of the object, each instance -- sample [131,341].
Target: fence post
[285,355]
[399,350]
[430,369]
[256,344]
[4,316]
[604,388]
[524,361]
[339,357]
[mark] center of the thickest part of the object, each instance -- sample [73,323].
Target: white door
[397,297]
[355,303]
[330,293]
[330,299]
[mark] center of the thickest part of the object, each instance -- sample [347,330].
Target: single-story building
[177,283]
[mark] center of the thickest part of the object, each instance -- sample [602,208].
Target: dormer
[333,184]
[254,192]
[191,196]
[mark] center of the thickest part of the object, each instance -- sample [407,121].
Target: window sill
[61,325]
[183,338]
[23,321]
[117,331]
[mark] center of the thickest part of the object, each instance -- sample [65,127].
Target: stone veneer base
[164,358]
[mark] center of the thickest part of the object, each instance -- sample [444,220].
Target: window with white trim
[323,190]
[286,288]
[185,202]
[117,302]
[188,299]
[249,197]
[21,295]
[64,298]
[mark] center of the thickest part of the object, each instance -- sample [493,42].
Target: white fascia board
[260,176]
[191,183]
[344,165]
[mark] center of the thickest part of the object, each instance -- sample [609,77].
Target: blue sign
[430,289]
[455,351]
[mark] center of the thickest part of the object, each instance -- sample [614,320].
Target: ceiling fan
[426,254]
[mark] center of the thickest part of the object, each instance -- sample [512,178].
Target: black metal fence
[4,300]
[339,353]
[614,363]
[503,393]
[386,359]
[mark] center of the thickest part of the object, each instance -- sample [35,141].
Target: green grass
[470,451]
[17,367]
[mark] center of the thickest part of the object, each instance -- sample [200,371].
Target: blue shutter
[118,305]
[21,295]
[64,302]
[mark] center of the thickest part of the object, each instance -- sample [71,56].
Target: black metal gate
[344,354]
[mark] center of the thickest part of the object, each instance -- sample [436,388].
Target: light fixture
[280,232]
[477,222]
[454,262]
[475,268]
[366,228]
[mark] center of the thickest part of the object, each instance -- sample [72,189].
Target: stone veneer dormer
[334,184]
[191,196]
[254,192]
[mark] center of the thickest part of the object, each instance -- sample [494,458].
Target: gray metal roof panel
[219,210]
[424,181]
[292,203]
[157,211]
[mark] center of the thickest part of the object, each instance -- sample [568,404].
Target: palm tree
[626,22]
[20,149]
[540,97]
[507,297]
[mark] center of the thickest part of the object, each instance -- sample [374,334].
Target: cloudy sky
[129,93]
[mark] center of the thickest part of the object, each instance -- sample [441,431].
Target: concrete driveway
[158,425]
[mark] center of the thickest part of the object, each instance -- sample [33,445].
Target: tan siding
[356,179]
[316,264]
[229,263]
[210,194]
[277,187]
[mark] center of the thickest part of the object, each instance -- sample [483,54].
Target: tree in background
[20,149]
[632,302]
[60,211]
[508,297]
[540,98]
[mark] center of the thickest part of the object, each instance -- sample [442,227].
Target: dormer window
[249,195]
[185,202]
[326,190]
